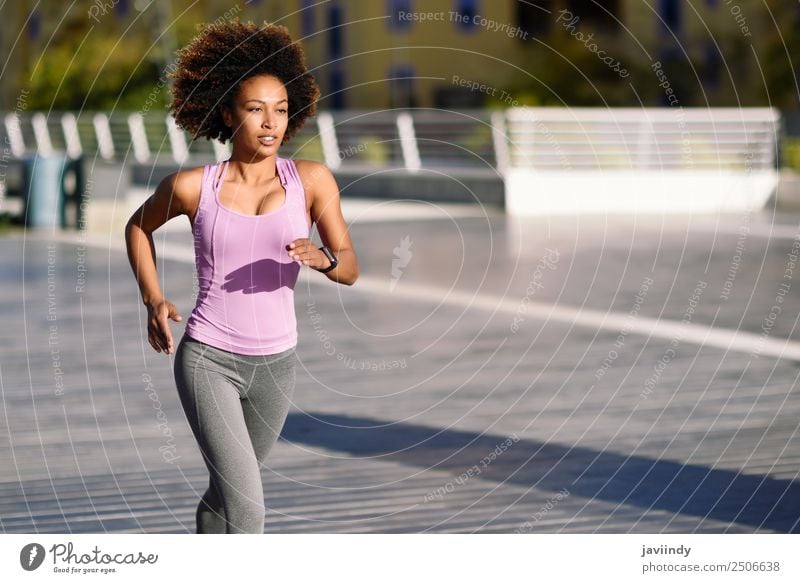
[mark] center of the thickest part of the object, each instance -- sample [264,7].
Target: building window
[307,18]
[535,19]
[121,8]
[401,80]
[337,88]
[334,32]
[466,10]
[670,11]
[602,16]
[712,66]
[34,25]
[399,14]
[681,77]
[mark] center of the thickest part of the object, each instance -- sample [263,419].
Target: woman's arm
[326,212]
[168,201]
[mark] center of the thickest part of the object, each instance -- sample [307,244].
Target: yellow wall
[437,50]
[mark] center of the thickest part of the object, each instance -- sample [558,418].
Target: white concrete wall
[541,192]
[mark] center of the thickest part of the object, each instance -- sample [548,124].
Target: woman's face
[259,116]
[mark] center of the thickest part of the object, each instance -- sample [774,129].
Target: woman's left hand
[305,252]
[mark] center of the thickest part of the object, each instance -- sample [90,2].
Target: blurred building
[395,53]
[455,53]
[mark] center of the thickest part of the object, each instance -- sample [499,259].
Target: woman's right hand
[158,332]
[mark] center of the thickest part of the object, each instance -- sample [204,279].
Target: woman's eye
[255,109]
[281,111]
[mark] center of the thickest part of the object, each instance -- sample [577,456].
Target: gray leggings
[236,405]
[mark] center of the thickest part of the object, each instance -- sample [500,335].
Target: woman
[251,217]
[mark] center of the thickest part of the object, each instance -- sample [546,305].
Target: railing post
[103,132]
[14,133]
[327,136]
[72,139]
[180,152]
[43,144]
[141,149]
[500,141]
[408,142]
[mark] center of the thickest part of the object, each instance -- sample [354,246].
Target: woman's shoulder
[311,171]
[183,186]
[306,166]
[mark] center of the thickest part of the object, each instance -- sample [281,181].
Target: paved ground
[517,376]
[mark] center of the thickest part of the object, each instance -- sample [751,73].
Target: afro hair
[215,62]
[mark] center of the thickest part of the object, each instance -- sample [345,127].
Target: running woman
[251,217]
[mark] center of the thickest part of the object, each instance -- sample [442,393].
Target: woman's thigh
[267,400]
[210,392]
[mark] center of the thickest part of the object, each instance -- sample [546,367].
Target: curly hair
[212,66]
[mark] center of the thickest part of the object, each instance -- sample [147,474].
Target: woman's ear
[225,112]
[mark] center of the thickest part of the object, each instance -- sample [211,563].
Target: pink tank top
[246,278]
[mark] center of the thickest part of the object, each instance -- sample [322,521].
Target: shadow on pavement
[719,494]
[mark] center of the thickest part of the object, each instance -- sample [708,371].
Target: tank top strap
[220,169]
[213,175]
[205,187]
[291,181]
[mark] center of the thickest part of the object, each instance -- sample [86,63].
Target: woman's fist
[305,252]
[158,332]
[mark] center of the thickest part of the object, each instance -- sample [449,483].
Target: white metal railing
[540,138]
[551,159]
[409,139]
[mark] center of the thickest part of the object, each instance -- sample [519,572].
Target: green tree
[94,70]
[780,55]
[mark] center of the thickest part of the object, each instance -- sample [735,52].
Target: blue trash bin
[44,190]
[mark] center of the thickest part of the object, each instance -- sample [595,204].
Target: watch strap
[331,257]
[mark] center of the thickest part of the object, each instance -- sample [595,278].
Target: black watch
[331,257]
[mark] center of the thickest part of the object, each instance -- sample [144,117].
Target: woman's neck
[252,172]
